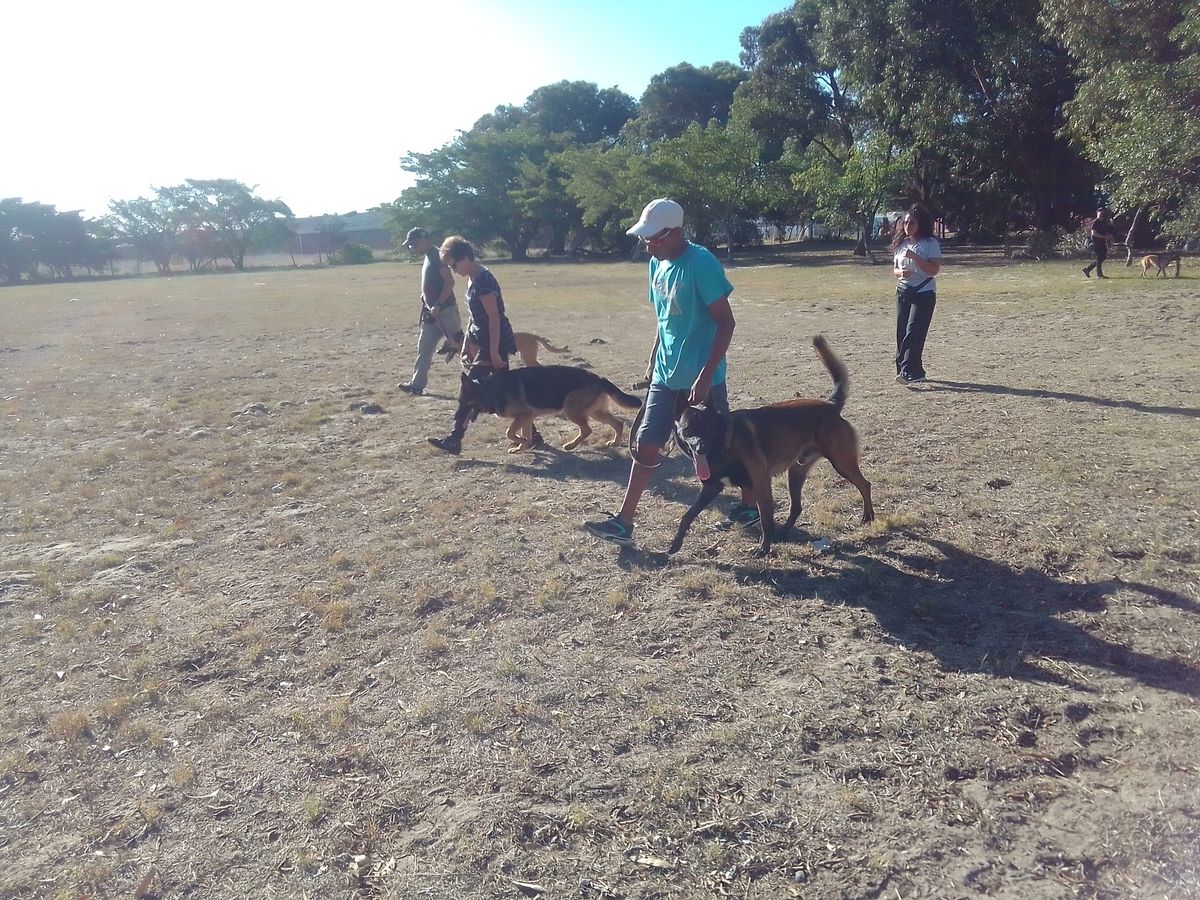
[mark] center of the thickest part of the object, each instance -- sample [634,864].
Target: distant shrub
[353,255]
[1041,243]
[1075,244]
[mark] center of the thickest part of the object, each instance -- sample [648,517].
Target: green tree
[681,96]
[505,178]
[971,91]
[1137,112]
[228,211]
[20,227]
[608,186]
[716,173]
[579,112]
[150,225]
[851,189]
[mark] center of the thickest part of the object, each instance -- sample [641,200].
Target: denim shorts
[659,410]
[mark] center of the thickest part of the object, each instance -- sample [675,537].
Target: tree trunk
[863,247]
[1137,218]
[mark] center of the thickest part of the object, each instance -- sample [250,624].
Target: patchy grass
[394,673]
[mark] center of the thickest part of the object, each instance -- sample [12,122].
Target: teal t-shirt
[681,291]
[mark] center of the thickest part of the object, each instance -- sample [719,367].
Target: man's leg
[645,461]
[426,342]
[1101,256]
[652,435]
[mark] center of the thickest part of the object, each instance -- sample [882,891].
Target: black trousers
[1101,250]
[914,312]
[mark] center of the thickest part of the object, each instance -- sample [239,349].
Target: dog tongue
[702,470]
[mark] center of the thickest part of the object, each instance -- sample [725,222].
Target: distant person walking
[439,312]
[489,341]
[1101,234]
[917,258]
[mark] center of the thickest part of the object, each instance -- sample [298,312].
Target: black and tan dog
[1162,262]
[535,391]
[749,446]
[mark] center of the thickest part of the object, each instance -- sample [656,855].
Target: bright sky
[315,103]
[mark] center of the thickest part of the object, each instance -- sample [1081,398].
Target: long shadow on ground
[965,387]
[977,615]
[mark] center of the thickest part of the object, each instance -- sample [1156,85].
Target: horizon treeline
[999,117]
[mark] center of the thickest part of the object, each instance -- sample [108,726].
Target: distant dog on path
[1160,261]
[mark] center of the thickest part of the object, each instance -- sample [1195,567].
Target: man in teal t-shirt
[690,296]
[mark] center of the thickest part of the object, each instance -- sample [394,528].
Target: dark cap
[414,235]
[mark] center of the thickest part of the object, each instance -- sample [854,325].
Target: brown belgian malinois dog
[1161,262]
[751,445]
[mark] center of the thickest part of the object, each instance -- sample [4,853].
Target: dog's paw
[761,553]
[516,448]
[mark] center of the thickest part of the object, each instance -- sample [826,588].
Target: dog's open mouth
[700,461]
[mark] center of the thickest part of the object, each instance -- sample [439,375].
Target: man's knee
[647,455]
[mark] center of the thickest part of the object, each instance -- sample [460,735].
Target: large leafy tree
[970,93]
[682,96]
[228,214]
[1137,112]
[505,178]
[150,225]
[34,235]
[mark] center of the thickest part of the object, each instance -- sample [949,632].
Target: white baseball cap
[657,216]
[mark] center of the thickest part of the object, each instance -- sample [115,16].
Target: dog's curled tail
[622,399]
[545,343]
[837,371]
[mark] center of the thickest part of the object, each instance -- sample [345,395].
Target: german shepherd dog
[534,391]
[527,346]
[751,445]
[1160,261]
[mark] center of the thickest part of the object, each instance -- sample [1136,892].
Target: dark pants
[465,414]
[914,312]
[1101,250]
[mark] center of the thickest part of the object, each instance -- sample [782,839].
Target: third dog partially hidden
[750,445]
[1160,261]
[529,393]
[527,346]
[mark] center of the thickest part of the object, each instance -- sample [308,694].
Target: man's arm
[653,355]
[723,315]
[447,285]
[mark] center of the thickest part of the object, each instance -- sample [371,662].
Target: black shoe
[1087,273]
[451,444]
[409,389]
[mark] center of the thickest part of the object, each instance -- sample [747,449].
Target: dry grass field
[261,641]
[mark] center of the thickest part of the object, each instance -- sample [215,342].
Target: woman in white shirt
[917,259]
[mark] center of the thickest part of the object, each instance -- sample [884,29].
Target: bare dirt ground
[260,641]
